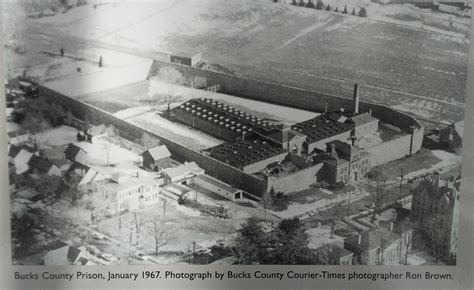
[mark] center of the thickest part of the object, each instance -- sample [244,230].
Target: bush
[319,5]
[362,12]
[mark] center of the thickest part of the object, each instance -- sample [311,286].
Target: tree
[301,3]
[47,186]
[345,10]
[363,12]
[333,214]
[69,118]
[110,131]
[378,189]
[70,188]
[170,77]
[34,124]
[101,61]
[294,3]
[249,242]
[22,233]
[61,51]
[437,233]
[56,115]
[319,5]
[138,221]
[354,11]
[310,4]
[149,141]
[336,10]
[267,200]
[160,229]
[328,8]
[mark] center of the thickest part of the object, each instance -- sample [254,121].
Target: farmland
[412,59]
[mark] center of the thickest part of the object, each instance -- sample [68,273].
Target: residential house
[183,174]
[86,173]
[452,136]
[122,193]
[433,197]
[76,154]
[64,255]
[376,246]
[44,166]
[332,254]
[157,158]
[18,136]
[19,156]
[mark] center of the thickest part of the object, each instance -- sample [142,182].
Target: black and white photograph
[246,132]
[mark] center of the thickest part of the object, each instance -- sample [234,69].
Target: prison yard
[185,153]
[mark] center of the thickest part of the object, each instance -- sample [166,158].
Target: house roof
[159,152]
[16,133]
[64,255]
[459,128]
[184,169]
[41,164]
[334,250]
[15,149]
[73,150]
[373,238]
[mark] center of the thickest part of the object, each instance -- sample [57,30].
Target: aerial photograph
[213,132]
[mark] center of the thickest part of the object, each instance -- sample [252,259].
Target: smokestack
[356,100]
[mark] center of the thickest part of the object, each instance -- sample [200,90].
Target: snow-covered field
[61,136]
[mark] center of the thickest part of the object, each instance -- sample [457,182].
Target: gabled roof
[65,255]
[459,128]
[41,164]
[184,169]
[159,152]
[73,150]
[15,149]
[21,131]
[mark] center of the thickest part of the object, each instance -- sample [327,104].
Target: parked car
[108,257]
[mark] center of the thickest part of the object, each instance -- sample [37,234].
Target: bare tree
[160,229]
[437,231]
[378,189]
[333,214]
[171,77]
[149,141]
[34,124]
[138,221]
[110,131]
[267,200]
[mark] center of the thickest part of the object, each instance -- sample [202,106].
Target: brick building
[433,197]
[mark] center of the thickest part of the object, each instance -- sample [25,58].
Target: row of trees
[321,6]
[285,244]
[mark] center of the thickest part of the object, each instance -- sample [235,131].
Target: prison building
[250,156]
[365,124]
[343,162]
[284,137]
[219,119]
[324,129]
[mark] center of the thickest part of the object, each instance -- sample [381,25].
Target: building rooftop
[43,165]
[15,149]
[244,152]
[183,170]
[16,133]
[373,238]
[322,127]
[223,115]
[159,152]
[362,119]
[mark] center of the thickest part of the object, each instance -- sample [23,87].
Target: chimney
[356,100]
[359,240]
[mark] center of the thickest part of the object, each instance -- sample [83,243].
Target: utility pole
[401,182]
[194,252]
